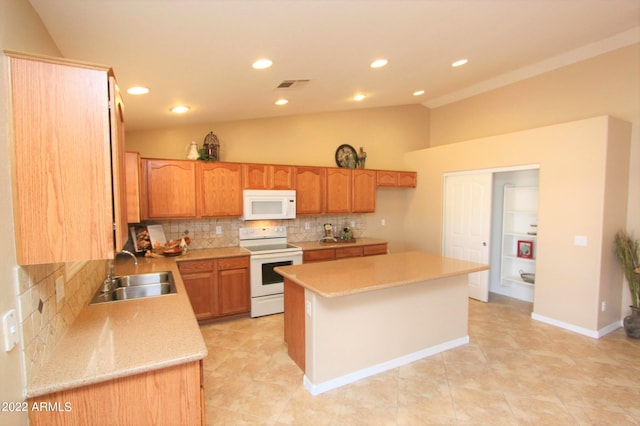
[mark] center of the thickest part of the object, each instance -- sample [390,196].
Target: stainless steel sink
[127,287]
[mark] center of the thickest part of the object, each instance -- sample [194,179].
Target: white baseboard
[596,334]
[317,389]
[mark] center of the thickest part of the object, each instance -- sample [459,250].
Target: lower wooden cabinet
[170,396]
[217,287]
[200,281]
[233,286]
[322,255]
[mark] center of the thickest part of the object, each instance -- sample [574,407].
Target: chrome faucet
[109,280]
[135,259]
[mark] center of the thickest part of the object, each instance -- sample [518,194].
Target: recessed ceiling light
[418,93]
[459,62]
[359,97]
[261,64]
[137,90]
[379,63]
[180,109]
[282,102]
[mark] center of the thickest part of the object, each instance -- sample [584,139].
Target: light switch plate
[580,240]
[218,229]
[10,330]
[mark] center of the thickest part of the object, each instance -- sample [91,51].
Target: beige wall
[573,181]
[20,29]
[311,139]
[604,85]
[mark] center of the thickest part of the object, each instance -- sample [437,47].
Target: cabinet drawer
[318,255]
[348,252]
[233,263]
[375,249]
[195,266]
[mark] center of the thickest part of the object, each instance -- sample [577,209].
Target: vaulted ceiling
[199,52]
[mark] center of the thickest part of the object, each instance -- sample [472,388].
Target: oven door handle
[275,255]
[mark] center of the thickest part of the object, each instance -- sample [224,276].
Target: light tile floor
[514,371]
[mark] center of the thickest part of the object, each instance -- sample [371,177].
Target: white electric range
[269,249]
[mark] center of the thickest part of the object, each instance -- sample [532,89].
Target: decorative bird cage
[211,148]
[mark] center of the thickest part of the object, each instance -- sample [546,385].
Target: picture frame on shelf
[525,249]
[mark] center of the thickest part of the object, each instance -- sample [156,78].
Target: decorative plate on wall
[346,156]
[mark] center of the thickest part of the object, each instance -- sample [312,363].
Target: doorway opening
[474,228]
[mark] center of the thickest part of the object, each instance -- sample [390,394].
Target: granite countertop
[316,245]
[118,339]
[359,274]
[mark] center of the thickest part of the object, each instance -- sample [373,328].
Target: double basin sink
[127,287]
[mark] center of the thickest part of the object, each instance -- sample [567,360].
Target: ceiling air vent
[292,84]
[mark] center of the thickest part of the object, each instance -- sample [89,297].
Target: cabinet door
[233,291]
[171,189]
[282,177]
[364,191]
[118,165]
[132,184]
[220,189]
[310,186]
[61,162]
[338,190]
[374,249]
[387,178]
[310,256]
[199,280]
[255,176]
[407,179]
[344,252]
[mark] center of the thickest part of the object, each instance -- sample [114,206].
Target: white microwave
[267,204]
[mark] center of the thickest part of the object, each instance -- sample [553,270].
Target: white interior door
[467,225]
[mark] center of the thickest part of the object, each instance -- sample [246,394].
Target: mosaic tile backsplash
[202,232]
[43,319]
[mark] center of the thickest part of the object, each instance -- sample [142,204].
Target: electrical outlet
[307,226]
[383,222]
[353,223]
[10,330]
[604,305]
[59,288]
[218,229]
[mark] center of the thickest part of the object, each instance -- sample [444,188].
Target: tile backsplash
[203,232]
[43,319]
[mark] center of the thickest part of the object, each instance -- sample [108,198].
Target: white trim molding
[596,334]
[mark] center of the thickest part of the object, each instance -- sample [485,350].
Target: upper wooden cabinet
[364,191]
[132,185]
[310,189]
[67,124]
[396,179]
[267,176]
[219,189]
[339,190]
[170,188]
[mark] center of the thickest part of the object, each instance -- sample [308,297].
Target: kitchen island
[353,318]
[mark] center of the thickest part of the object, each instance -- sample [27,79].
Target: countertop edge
[472,267]
[78,383]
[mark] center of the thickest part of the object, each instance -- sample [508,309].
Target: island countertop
[356,275]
